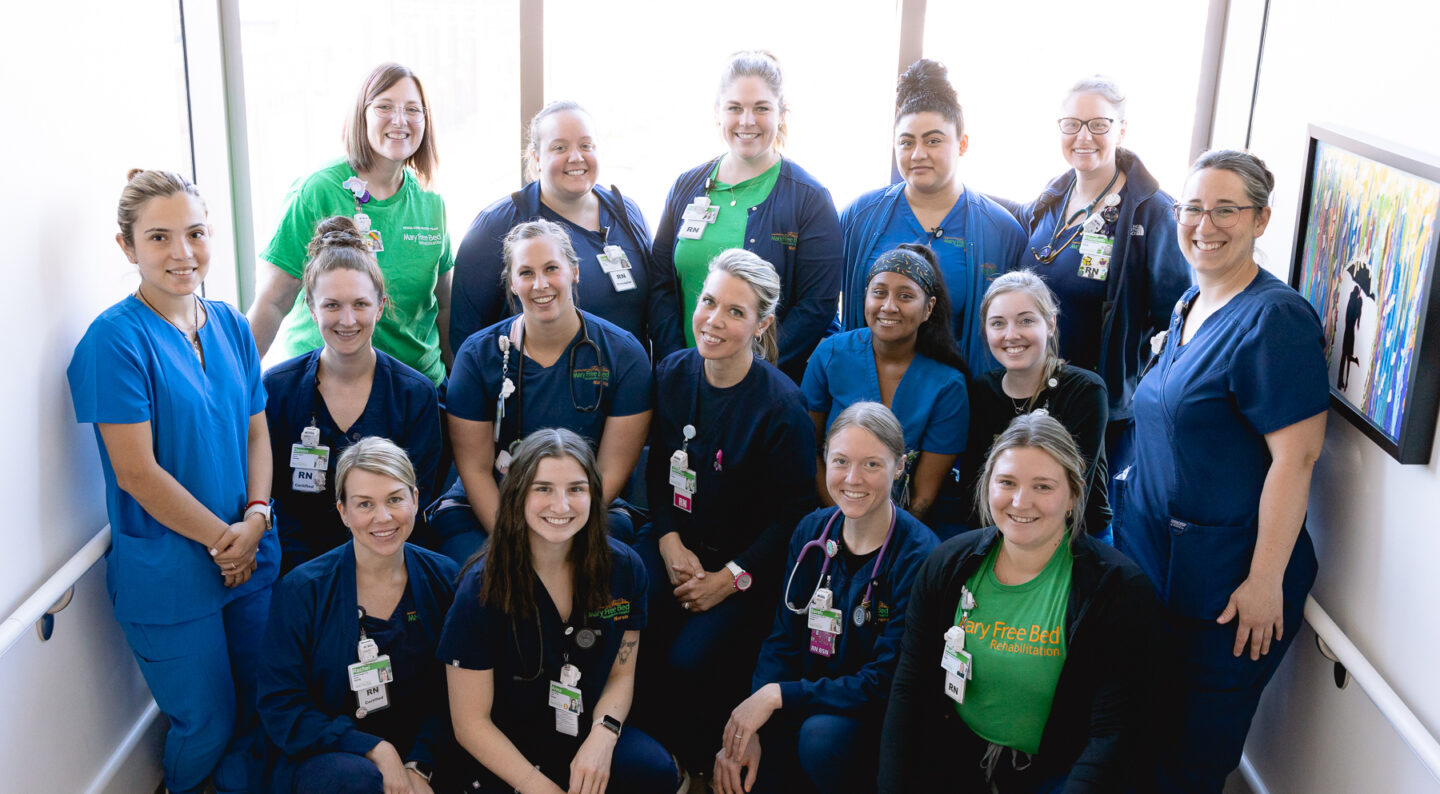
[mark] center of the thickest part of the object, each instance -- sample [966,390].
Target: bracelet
[261,502]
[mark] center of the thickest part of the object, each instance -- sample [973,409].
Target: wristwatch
[422,769]
[743,579]
[265,511]
[609,723]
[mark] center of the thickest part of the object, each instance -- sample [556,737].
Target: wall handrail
[1392,708]
[53,590]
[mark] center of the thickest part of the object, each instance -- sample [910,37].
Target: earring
[1069,513]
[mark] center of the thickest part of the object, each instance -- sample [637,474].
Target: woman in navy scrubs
[607,231]
[1021,324]
[553,366]
[752,198]
[1228,424]
[820,687]
[1028,645]
[340,393]
[542,640]
[906,359]
[731,472]
[374,599]
[172,385]
[1102,237]
[973,238]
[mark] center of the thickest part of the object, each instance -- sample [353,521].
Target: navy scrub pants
[202,676]
[818,753]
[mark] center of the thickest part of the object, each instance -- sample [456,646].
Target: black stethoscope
[1048,254]
[584,638]
[862,614]
[517,386]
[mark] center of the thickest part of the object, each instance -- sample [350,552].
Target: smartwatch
[422,769]
[263,508]
[743,579]
[609,723]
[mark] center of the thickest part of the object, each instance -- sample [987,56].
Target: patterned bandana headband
[908,264]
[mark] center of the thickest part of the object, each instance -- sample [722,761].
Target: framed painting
[1366,242]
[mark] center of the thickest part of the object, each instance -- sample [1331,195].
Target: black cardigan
[1113,632]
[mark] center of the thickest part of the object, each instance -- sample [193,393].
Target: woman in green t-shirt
[1028,644]
[382,183]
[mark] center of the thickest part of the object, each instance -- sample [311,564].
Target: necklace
[750,185]
[192,336]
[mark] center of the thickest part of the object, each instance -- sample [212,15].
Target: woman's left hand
[241,574]
[748,717]
[418,783]
[705,590]
[1259,605]
[590,769]
[244,539]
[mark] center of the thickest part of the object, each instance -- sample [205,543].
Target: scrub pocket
[1207,563]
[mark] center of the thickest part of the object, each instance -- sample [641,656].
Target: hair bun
[924,77]
[132,173]
[338,231]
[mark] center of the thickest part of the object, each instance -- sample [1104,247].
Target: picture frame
[1367,240]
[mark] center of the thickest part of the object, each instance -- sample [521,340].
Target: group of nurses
[607,231]
[351,693]
[906,359]
[544,635]
[973,237]
[192,556]
[390,159]
[554,365]
[323,401]
[1229,422]
[751,197]
[820,685]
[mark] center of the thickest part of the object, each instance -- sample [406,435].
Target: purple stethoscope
[862,613]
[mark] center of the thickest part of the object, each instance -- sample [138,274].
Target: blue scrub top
[402,407]
[1188,508]
[856,679]
[132,366]
[930,401]
[479,637]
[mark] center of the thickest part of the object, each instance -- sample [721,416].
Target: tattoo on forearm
[627,647]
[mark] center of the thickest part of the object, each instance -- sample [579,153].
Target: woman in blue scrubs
[906,359]
[607,231]
[820,686]
[172,385]
[974,238]
[750,197]
[377,600]
[731,472]
[553,366]
[1102,237]
[332,397]
[1228,424]
[1029,645]
[542,641]
[1021,317]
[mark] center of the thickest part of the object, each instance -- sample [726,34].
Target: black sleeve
[791,480]
[917,698]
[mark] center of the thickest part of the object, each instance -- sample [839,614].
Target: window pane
[1012,63]
[649,76]
[304,65]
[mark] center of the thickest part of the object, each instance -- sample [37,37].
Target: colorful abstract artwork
[1365,259]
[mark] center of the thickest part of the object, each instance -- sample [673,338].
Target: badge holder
[825,621]
[358,187]
[507,388]
[696,217]
[566,700]
[682,477]
[955,660]
[617,266]
[309,461]
[369,676]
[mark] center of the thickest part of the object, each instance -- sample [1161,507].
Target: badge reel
[682,477]
[617,266]
[566,700]
[369,676]
[955,660]
[698,215]
[309,461]
[507,388]
[825,621]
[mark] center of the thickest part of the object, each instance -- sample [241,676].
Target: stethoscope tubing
[819,543]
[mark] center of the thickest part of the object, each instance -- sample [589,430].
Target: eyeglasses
[414,114]
[1098,126]
[1221,217]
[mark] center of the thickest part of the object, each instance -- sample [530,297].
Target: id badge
[822,643]
[683,500]
[365,675]
[567,722]
[829,621]
[682,477]
[566,698]
[1094,266]
[376,244]
[307,480]
[371,699]
[613,259]
[956,661]
[621,280]
[955,687]
[303,457]
[691,229]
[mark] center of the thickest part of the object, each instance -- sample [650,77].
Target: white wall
[1368,67]
[96,88]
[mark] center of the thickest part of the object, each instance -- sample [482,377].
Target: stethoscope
[1049,253]
[583,638]
[862,614]
[517,386]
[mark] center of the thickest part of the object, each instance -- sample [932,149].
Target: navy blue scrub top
[403,407]
[402,638]
[1188,508]
[478,637]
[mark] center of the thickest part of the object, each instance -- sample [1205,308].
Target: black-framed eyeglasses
[1098,126]
[1221,217]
